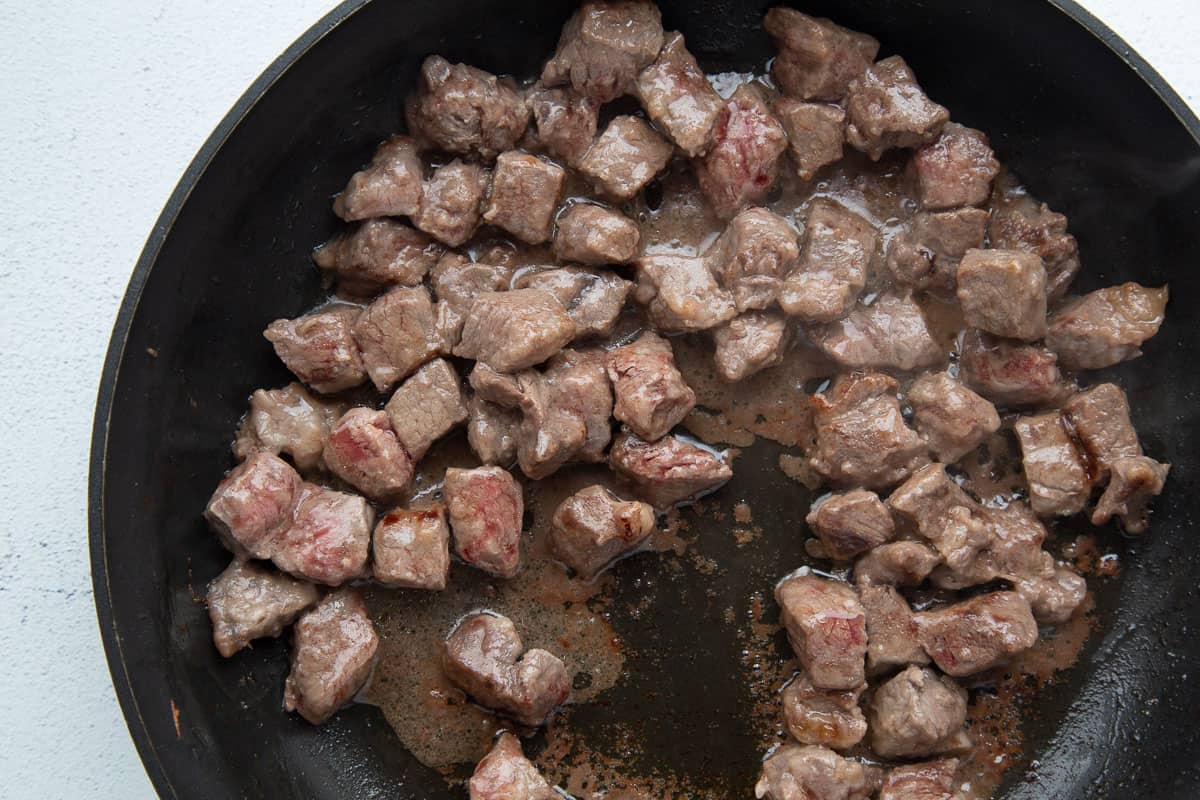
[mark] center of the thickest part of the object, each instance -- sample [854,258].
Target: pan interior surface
[1081,128]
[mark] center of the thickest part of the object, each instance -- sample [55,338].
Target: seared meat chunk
[753,254]
[1058,481]
[838,246]
[827,627]
[486,510]
[451,202]
[427,406]
[929,780]
[411,548]
[678,97]
[513,330]
[248,602]
[378,253]
[743,161]
[465,110]
[795,772]
[892,639]
[328,539]
[594,235]
[1003,292]
[565,121]
[603,47]
[953,419]
[891,333]
[565,413]
[625,158]
[903,563]
[827,717]
[651,396]
[363,450]
[506,774]
[1010,373]
[492,431]
[593,528]
[817,59]
[918,713]
[926,254]
[1099,418]
[390,186]
[682,294]
[1107,326]
[457,281]
[1132,483]
[862,439]
[886,108]
[524,196]
[484,655]
[1054,597]
[668,471]
[977,634]
[593,298]
[581,387]
[332,656]
[943,514]
[396,334]
[1020,223]
[816,132]
[319,349]
[750,343]
[850,523]
[957,169]
[253,501]
[287,420]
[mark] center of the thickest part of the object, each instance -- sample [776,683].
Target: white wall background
[102,106]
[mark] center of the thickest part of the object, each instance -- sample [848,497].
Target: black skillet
[1081,118]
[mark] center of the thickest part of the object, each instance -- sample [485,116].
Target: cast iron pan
[1081,118]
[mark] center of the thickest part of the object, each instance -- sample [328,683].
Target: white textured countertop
[102,106]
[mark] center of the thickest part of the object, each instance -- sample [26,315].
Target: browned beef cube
[396,334]
[1107,326]
[593,298]
[1013,550]
[850,523]
[1010,373]
[926,254]
[827,717]
[668,471]
[513,330]
[603,47]
[682,294]
[817,58]
[862,439]
[332,656]
[328,538]
[411,548]
[1133,482]
[891,333]
[943,514]
[378,253]
[581,387]
[457,281]
[886,108]
[742,164]
[816,133]
[977,634]
[253,502]
[593,528]
[486,511]
[891,630]
[651,395]
[492,431]
[929,780]
[319,348]
[524,196]
[452,202]
[750,343]
[287,420]
[751,257]
[484,656]
[1100,420]
[248,602]
[506,774]
[838,246]
[827,628]
[918,713]
[1020,223]
[390,186]
[953,419]
[1003,292]
[566,122]
[364,451]
[678,96]
[594,235]
[427,406]
[903,563]
[1058,481]
[1054,597]
[795,772]
[957,169]
[625,158]
[465,110]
